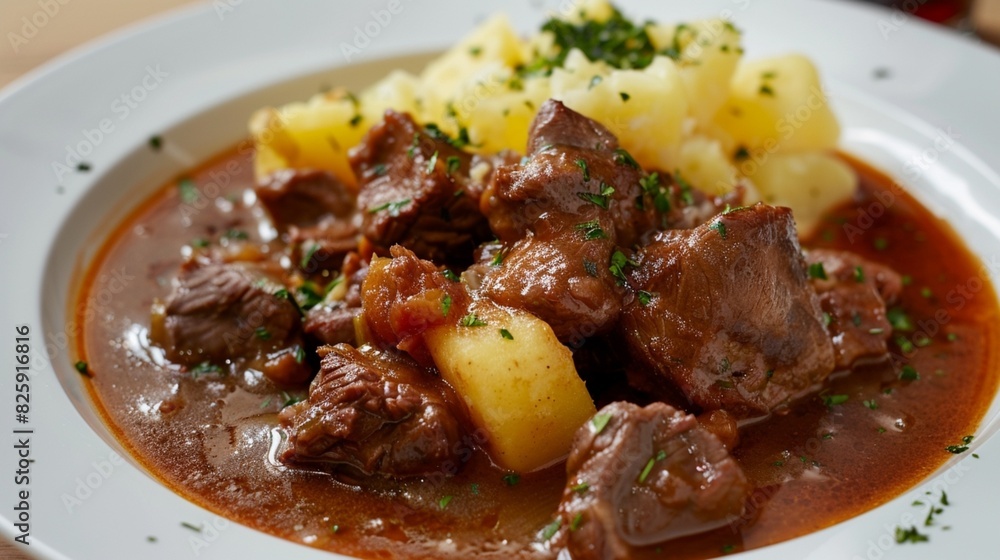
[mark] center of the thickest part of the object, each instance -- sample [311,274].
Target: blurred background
[87,19]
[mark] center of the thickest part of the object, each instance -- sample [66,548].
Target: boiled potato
[648,119]
[523,392]
[696,109]
[707,54]
[500,119]
[316,135]
[702,163]
[807,183]
[779,105]
[485,55]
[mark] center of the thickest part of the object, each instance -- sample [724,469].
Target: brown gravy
[208,436]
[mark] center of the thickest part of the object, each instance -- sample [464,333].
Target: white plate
[201,71]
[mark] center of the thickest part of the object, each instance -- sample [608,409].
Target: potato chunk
[521,389]
[779,105]
[808,183]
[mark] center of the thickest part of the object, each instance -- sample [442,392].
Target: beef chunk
[728,314]
[414,191]
[316,212]
[561,277]
[221,312]
[573,173]
[649,475]
[404,296]
[320,248]
[376,413]
[304,198]
[333,322]
[854,295]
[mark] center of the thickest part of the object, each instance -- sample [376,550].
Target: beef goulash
[561,349]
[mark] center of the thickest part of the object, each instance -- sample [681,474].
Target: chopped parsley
[686,194]
[603,199]
[307,255]
[188,191]
[205,368]
[506,334]
[413,145]
[445,305]
[392,207]
[871,404]
[582,164]
[452,164]
[471,320]
[644,297]
[910,535]
[817,271]
[719,226]
[580,487]
[83,166]
[191,526]
[591,230]
[432,163]
[956,449]
[616,41]
[236,234]
[262,333]
[81,367]
[155,142]
[661,455]
[600,421]
[905,346]
[766,89]
[308,296]
[290,399]
[899,320]
[625,97]
[300,354]
[617,267]
[511,479]
[625,158]
[450,275]
[832,400]
[355,120]
[551,529]
[443,502]
[577,521]
[908,373]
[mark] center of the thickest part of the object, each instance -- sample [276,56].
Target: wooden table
[78,21]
